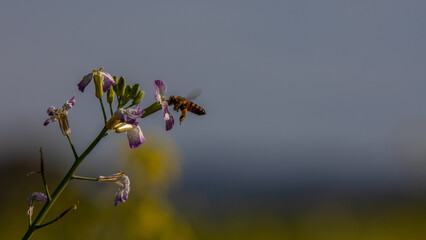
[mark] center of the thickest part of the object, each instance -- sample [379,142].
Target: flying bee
[185,105]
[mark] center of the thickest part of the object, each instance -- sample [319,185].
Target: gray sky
[278,78]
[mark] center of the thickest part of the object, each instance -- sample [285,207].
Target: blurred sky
[296,92]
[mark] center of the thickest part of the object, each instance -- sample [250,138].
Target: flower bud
[110,96]
[120,86]
[135,90]
[98,79]
[138,97]
[128,91]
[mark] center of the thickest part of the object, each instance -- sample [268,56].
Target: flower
[125,120]
[160,92]
[61,116]
[103,81]
[123,182]
[35,196]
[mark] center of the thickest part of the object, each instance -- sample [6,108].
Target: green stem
[72,147]
[49,198]
[58,217]
[110,108]
[84,178]
[152,109]
[103,110]
[62,185]
[29,221]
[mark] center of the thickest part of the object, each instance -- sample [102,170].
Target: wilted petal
[51,111]
[123,192]
[49,120]
[35,196]
[160,90]
[69,104]
[135,137]
[85,81]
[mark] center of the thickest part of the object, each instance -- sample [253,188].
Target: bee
[185,105]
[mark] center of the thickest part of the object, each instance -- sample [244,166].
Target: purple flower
[35,196]
[160,96]
[61,116]
[125,120]
[124,186]
[106,80]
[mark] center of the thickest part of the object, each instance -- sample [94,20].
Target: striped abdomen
[194,108]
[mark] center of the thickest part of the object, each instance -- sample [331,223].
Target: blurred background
[315,125]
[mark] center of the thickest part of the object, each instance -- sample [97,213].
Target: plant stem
[62,185]
[29,221]
[84,178]
[58,217]
[49,198]
[151,109]
[110,109]
[103,110]
[72,147]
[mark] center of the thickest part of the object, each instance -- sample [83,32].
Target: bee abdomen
[194,108]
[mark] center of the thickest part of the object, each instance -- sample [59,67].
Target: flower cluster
[125,118]
[125,112]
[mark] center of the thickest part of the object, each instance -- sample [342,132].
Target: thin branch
[103,110]
[110,109]
[72,147]
[58,217]
[84,178]
[42,175]
[29,221]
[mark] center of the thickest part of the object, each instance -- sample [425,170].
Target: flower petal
[108,81]
[160,90]
[170,122]
[135,137]
[165,106]
[69,104]
[84,82]
[167,116]
[49,120]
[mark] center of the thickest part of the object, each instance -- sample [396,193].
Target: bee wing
[193,94]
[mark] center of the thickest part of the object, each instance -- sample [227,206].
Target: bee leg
[184,111]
